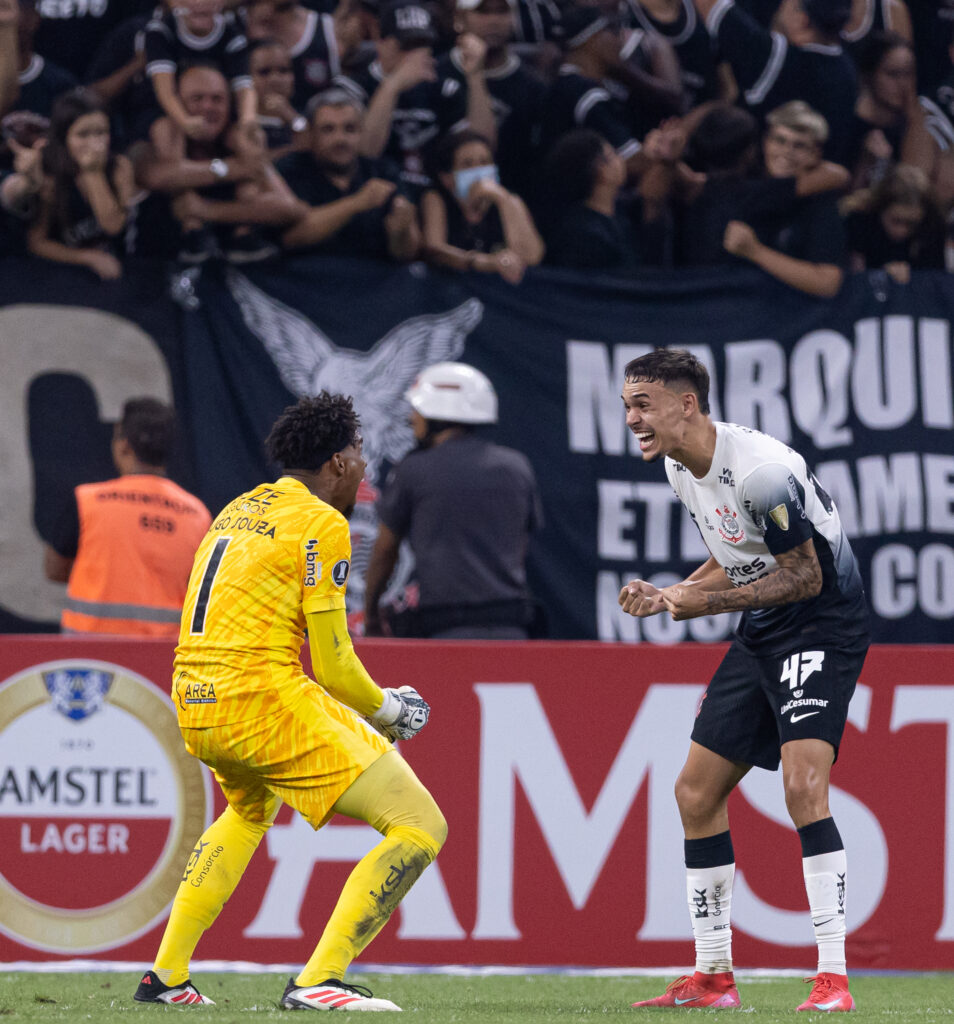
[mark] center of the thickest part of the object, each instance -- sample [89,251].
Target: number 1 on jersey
[205,590]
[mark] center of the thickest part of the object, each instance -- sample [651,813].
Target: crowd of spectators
[807,137]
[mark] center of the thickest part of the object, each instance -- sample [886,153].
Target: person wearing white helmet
[467,508]
[452,393]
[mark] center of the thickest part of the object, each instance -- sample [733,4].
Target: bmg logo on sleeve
[312,564]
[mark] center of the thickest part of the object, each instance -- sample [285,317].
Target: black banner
[74,348]
[861,385]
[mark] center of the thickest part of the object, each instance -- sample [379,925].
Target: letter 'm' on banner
[518,743]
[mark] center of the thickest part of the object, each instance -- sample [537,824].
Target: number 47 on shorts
[797,668]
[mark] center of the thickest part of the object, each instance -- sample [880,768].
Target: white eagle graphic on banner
[308,361]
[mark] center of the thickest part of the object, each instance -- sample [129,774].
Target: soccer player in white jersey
[779,555]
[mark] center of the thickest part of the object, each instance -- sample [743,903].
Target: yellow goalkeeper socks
[377,885]
[389,797]
[217,863]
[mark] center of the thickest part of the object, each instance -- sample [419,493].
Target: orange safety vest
[137,538]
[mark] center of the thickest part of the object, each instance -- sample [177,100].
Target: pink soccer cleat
[829,994]
[717,991]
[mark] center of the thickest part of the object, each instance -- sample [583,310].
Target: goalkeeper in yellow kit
[275,561]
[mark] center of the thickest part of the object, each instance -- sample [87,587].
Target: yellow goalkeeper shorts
[307,756]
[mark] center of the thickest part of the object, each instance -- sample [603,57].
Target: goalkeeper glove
[403,714]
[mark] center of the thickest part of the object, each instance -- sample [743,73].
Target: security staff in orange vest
[126,546]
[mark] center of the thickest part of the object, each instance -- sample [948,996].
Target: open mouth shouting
[645,439]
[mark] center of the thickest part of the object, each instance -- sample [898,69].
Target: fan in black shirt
[88,192]
[40,80]
[21,176]
[117,72]
[807,251]
[578,97]
[591,224]
[896,225]
[356,205]
[737,214]
[645,78]
[471,222]
[70,32]
[517,94]
[678,22]
[724,149]
[871,16]
[284,126]
[537,22]
[40,84]
[889,124]
[317,43]
[803,60]
[198,32]
[222,198]
[409,107]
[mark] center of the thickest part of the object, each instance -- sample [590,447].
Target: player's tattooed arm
[710,576]
[797,577]
[641,599]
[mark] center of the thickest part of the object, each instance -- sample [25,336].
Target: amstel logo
[100,806]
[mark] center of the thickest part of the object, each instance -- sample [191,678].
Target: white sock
[710,896]
[825,884]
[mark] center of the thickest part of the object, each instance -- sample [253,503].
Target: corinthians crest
[730,529]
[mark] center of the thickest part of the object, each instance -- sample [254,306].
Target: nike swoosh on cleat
[798,718]
[828,1006]
[681,1002]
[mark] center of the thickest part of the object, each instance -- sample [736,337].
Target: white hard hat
[453,393]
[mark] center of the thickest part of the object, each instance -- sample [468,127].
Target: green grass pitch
[446,999]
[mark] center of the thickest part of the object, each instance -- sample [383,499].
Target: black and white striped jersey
[759,500]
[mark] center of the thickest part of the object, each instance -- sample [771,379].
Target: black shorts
[755,703]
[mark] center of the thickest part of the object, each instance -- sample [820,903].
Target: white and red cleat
[152,990]
[332,995]
[829,994]
[717,991]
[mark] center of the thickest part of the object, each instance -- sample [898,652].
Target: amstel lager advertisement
[100,805]
[554,764]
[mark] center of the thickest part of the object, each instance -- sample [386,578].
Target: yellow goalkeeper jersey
[272,555]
